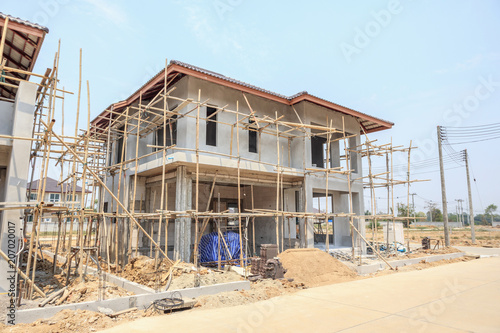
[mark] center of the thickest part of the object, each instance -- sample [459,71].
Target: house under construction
[194,152]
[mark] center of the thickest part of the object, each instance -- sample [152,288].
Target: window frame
[253,141]
[211,126]
[54,194]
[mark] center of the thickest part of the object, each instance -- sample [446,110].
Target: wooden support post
[276,218]
[59,223]
[253,223]
[327,241]
[239,184]
[197,186]
[4,34]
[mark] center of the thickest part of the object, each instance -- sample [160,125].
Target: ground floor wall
[177,234]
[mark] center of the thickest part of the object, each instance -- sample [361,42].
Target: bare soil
[142,270]
[314,267]
[486,236]
[307,268]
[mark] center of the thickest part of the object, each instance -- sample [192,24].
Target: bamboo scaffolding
[90,157]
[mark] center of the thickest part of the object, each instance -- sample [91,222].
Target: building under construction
[191,154]
[194,152]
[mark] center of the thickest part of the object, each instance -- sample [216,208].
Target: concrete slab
[396,323]
[368,269]
[482,251]
[460,297]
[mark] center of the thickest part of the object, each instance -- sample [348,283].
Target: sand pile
[314,267]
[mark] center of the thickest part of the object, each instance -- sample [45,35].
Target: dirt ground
[305,268]
[141,270]
[486,236]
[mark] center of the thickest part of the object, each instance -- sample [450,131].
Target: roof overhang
[23,41]
[367,122]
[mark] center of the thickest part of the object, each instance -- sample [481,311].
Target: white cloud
[111,12]
[469,64]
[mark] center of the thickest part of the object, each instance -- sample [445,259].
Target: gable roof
[178,68]
[52,186]
[23,41]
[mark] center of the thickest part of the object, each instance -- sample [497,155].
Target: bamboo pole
[253,223]
[197,180]
[135,180]
[4,34]
[327,242]
[276,220]
[20,272]
[239,187]
[84,178]
[107,190]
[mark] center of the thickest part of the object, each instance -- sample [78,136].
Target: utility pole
[443,190]
[413,205]
[471,211]
[461,210]
[432,207]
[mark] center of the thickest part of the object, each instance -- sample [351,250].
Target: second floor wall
[300,151]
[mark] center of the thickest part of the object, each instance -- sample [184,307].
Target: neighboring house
[299,153]
[56,194]
[21,46]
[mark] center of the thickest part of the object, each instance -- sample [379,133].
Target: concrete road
[461,297]
[482,251]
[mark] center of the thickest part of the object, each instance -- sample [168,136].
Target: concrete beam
[123,303]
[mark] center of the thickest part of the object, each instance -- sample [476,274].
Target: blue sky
[409,62]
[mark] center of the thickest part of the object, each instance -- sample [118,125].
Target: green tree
[437,216]
[403,212]
[490,210]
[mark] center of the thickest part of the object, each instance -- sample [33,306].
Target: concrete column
[183,202]
[342,229]
[301,208]
[17,174]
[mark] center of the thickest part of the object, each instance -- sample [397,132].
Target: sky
[418,64]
